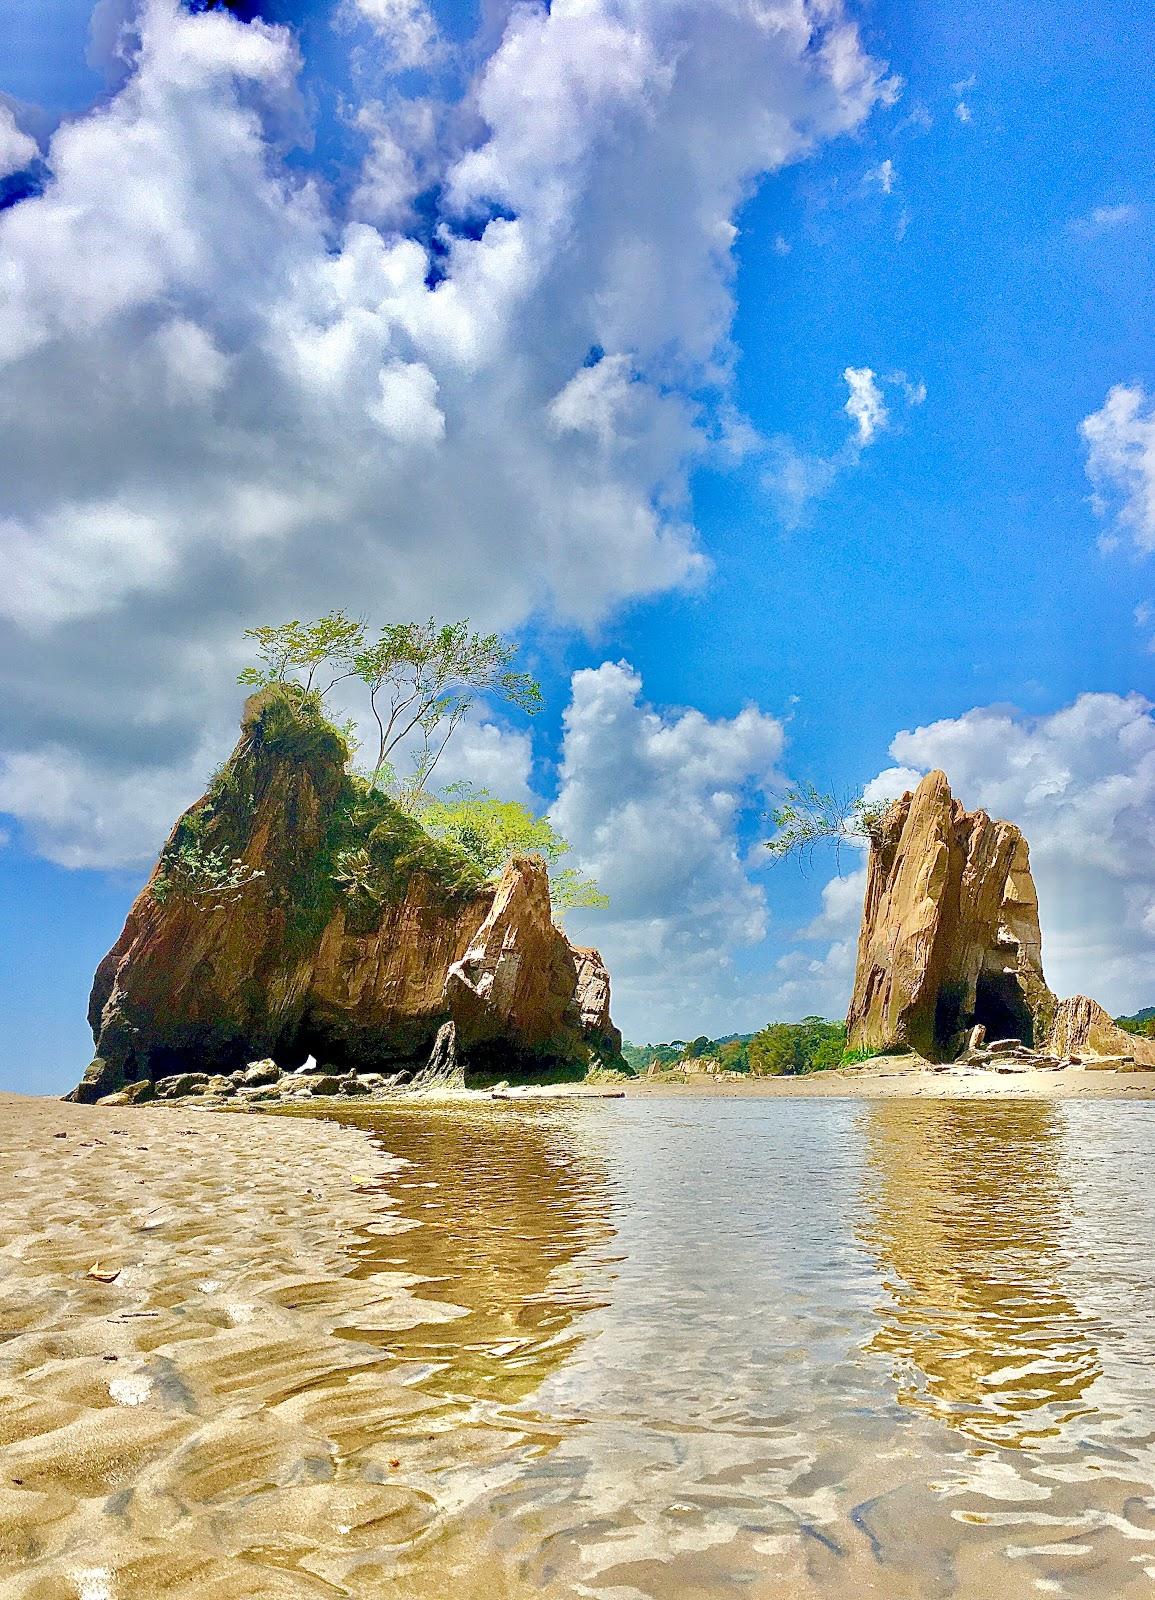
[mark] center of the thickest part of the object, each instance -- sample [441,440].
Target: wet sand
[215,1335]
[158,1429]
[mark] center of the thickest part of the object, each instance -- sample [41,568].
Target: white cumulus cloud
[406,28]
[229,397]
[1120,440]
[865,406]
[651,802]
[17,149]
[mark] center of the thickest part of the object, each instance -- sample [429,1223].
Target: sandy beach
[898,1077]
[170,1285]
[197,1392]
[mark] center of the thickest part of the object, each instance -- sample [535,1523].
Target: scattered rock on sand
[133,1094]
[259,1073]
[182,1083]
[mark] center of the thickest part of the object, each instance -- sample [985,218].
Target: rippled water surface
[698,1348]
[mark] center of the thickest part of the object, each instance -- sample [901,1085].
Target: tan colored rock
[950,936]
[1082,1028]
[521,979]
[257,940]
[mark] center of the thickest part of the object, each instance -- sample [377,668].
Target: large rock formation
[950,931]
[1082,1028]
[293,913]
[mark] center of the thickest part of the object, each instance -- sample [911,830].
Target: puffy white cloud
[865,406]
[406,28]
[1120,439]
[652,803]
[806,985]
[841,912]
[78,813]
[262,404]
[17,149]
[491,757]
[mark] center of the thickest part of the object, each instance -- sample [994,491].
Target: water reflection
[786,1351]
[499,1207]
[968,1216]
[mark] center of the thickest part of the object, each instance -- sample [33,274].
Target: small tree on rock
[807,817]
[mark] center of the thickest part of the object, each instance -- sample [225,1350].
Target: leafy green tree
[317,655]
[489,831]
[792,1048]
[734,1055]
[422,679]
[808,816]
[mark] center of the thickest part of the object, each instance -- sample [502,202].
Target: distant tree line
[780,1049]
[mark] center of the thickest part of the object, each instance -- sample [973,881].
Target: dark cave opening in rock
[1002,1009]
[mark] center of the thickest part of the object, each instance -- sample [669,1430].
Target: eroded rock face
[950,931]
[259,938]
[1082,1028]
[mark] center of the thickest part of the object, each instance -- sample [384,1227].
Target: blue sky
[977,237]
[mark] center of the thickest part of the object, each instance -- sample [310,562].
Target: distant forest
[781,1049]
[784,1049]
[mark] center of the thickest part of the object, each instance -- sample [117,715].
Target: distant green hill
[1142,1022]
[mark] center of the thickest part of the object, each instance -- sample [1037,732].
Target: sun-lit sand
[196,1395]
[170,1282]
[898,1077]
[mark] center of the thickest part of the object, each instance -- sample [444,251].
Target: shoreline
[895,1077]
[913,1078]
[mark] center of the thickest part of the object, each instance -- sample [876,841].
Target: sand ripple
[191,1419]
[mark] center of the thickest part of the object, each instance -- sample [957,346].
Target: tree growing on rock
[808,816]
[490,831]
[422,678]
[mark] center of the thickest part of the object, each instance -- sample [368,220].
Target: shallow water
[679,1349]
[777,1348]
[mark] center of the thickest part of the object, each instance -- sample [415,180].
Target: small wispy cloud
[1144,621]
[883,175]
[797,478]
[918,116]
[1120,440]
[960,90]
[1104,219]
